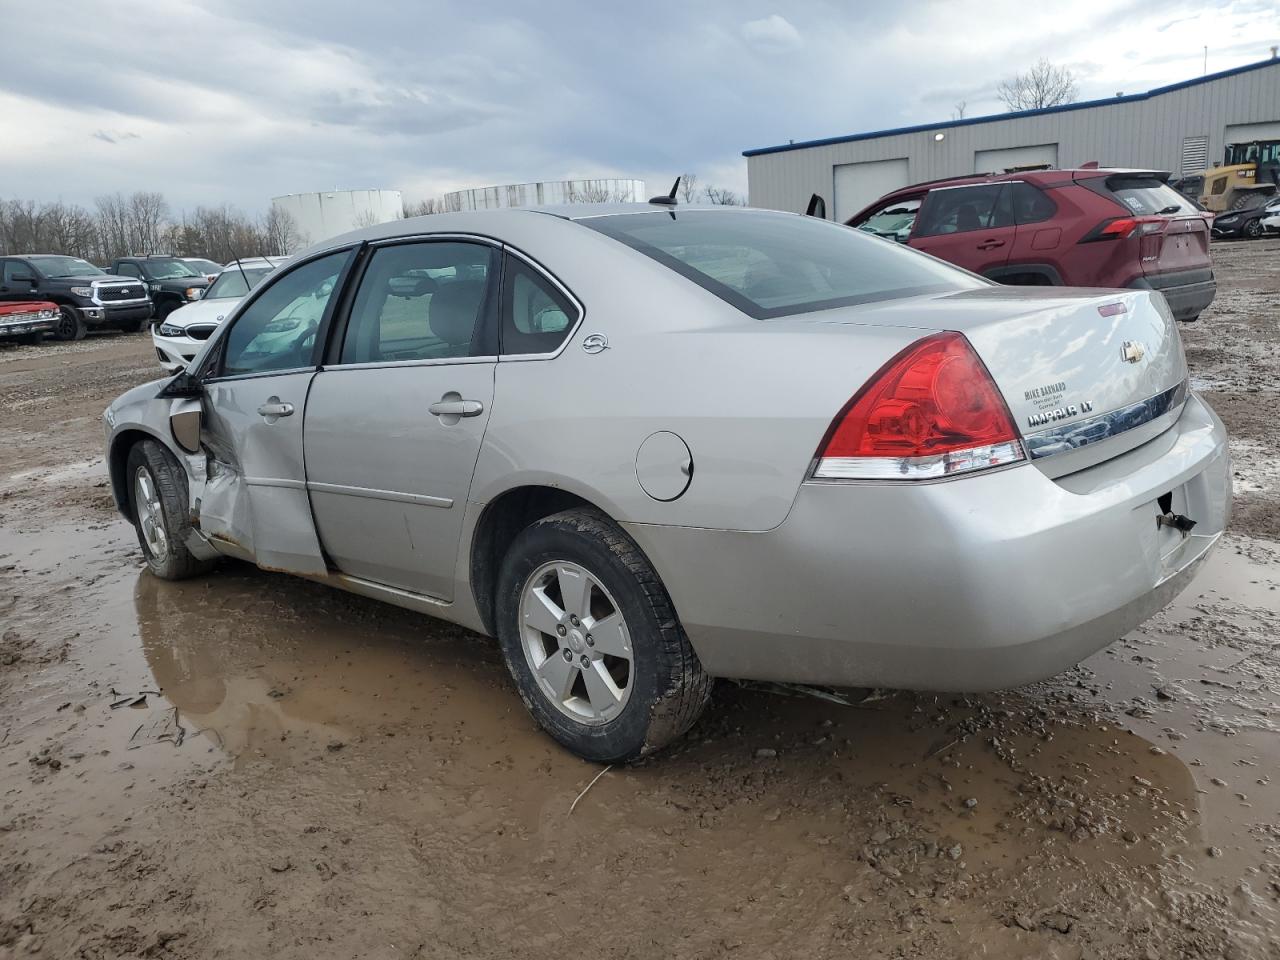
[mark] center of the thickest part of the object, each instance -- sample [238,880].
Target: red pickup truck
[27,321]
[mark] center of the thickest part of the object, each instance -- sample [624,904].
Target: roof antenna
[670,199]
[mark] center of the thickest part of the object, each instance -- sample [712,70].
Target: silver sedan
[646,446]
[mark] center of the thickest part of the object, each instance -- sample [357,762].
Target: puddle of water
[311,698]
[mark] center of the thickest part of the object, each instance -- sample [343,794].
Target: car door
[254,503]
[12,284]
[971,226]
[395,419]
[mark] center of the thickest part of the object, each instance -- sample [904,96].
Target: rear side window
[536,317]
[420,301]
[960,209]
[776,264]
[1030,204]
[1146,196]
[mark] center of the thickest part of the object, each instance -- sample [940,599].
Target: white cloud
[773,34]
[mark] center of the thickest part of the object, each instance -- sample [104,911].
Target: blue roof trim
[970,121]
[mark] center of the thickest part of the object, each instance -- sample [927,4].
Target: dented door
[254,504]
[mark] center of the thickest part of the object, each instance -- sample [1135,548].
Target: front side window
[959,210]
[536,317]
[13,269]
[420,301]
[892,221]
[278,330]
[56,268]
[128,270]
[776,264]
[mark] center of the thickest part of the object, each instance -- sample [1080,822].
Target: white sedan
[184,332]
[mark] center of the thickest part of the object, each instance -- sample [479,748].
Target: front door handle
[990,244]
[274,409]
[456,408]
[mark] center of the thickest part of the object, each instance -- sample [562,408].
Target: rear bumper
[1188,292]
[974,584]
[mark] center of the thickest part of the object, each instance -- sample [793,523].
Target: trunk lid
[1180,243]
[1087,374]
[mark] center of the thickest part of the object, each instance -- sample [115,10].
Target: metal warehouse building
[1181,128]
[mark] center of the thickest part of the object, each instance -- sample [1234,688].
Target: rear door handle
[990,244]
[274,409]
[456,408]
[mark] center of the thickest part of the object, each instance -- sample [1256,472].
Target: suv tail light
[932,411]
[1121,227]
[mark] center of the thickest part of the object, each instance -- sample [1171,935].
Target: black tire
[71,325]
[1253,229]
[162,310]
[131,326]
[669,688]
[169,480]
[30,339]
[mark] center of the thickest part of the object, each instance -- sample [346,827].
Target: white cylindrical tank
[546,193]
[319,216]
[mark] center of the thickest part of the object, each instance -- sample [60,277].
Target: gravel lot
[300,773]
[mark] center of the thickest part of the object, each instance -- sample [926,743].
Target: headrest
[453,310]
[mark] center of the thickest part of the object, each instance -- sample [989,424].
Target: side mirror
[197,293]
[185,421]
[817,208]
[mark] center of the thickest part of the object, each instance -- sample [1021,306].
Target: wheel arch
[497,527]
[117,465]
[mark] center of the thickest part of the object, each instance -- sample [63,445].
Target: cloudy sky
[213,101]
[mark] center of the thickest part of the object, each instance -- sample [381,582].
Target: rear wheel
[71,325]
[158,498]
[591,639]
[1253,229]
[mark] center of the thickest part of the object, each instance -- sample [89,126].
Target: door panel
[388,478]
[970,226]
[393,431]
[255,498]
[254,503]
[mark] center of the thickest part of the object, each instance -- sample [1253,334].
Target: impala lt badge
[1132,351]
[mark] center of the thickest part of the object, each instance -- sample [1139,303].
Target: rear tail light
[932,411]
[1122,227]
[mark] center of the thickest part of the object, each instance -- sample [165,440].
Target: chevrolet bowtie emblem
[1132,351]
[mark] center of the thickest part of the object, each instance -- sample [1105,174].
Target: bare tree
[148,214]
[722,195]
[1044,85]
[958,112]
[424,207]
[280,232]
[688,188]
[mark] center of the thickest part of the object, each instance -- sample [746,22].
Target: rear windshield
[1149,195]
[776,264]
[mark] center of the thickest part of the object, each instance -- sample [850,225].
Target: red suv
[1078,228]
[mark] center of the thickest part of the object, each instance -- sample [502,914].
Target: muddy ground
[249,765]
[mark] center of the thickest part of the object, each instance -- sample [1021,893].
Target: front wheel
[590,637]
[131,326]
[158,498]
[1253,229]
[71,325]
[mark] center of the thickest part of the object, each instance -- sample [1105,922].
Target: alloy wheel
[576,642]
[150,515]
